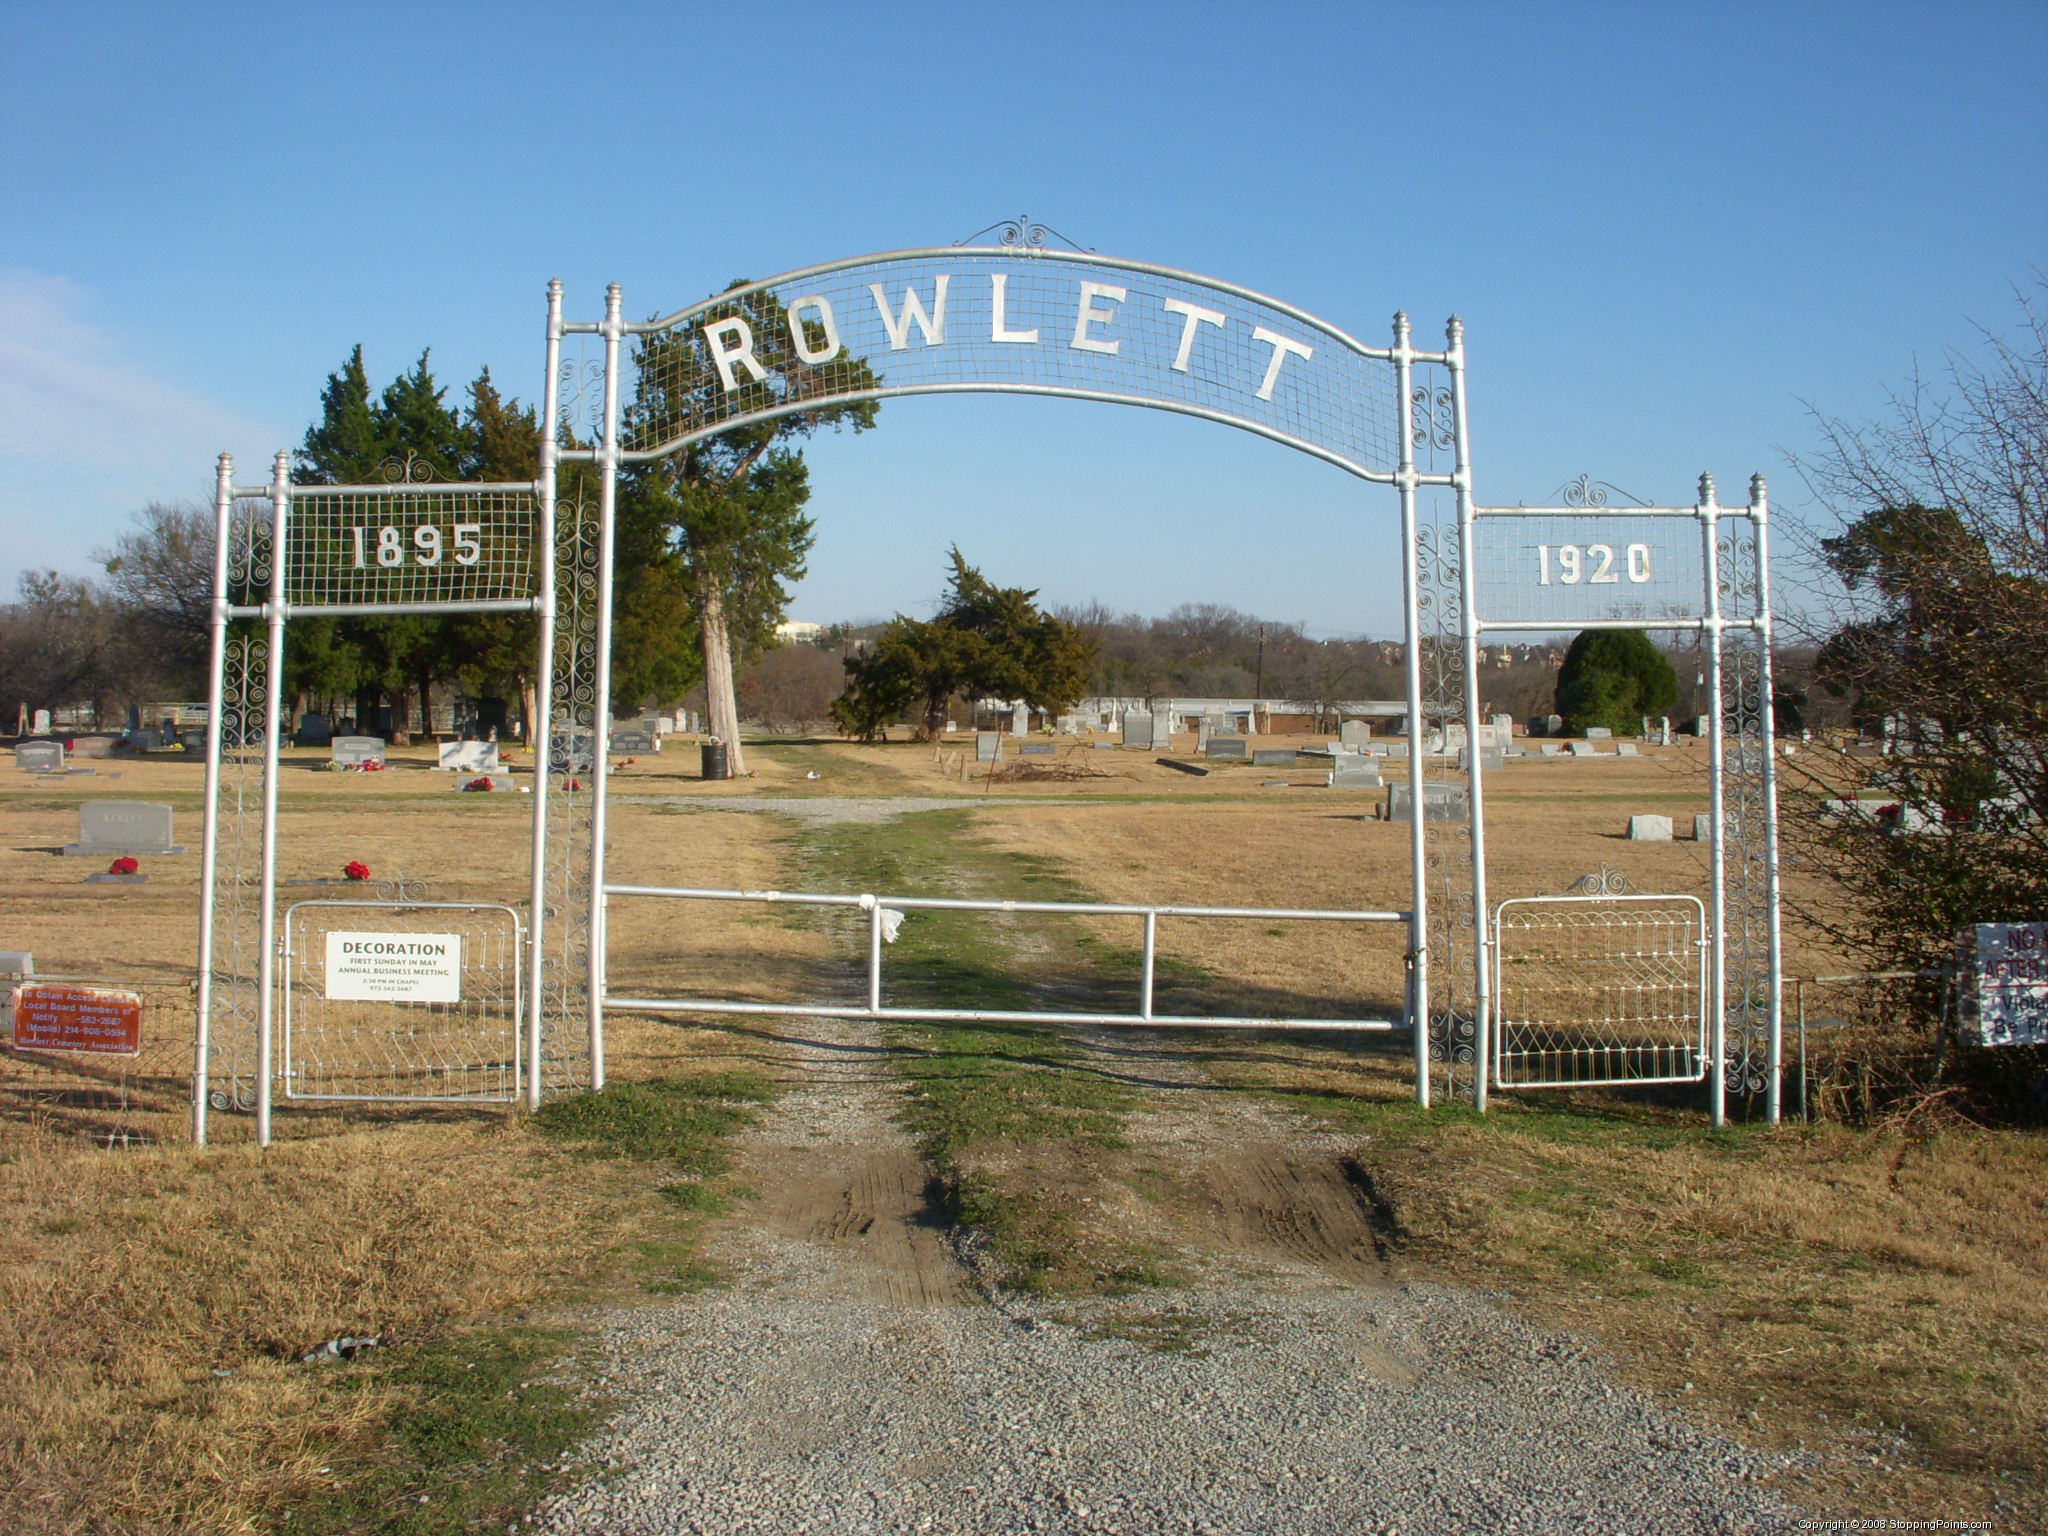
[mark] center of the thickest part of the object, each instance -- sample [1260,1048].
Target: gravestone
[1584,749]
[568,752]
[470,756]
[147,739]
[1393,749]
[1625,749]
[313,731]
[1226,747]
[1649,829]
[1020,720]
[115,828]
[1504,728]
[632,741]
[1275,757]
[1440,802]
[1703,828]
[1355,773]
[1553,725]
[41,726]
[988,746]
[1551,749]
[93,746]
[1037,749]
[1354,733]
[192,741]
[347,751]
[1598,733]
[40,757]
[1138,731]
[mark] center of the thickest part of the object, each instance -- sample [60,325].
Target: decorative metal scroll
[572,682]
[1021,233]
[238,876]
[1449,849]
[1027,321]
[1746,1003]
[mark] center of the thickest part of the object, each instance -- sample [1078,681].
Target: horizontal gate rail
[874,1008]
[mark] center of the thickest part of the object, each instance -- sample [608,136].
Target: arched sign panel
[994,321]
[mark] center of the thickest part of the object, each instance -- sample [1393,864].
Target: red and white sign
[52,1017]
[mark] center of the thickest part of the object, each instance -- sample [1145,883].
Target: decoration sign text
[394,967]
[102,1020]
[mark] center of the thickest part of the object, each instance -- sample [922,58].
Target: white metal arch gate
[1012,319]
[953,320]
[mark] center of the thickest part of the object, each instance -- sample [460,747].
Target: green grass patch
[469,1448]
[682,1122]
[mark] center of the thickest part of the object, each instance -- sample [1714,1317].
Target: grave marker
[122,828]
[1354,733]
[40,757]
[1649,829]
[1355,773]
[469,756]
[1226,747]
[1037,749]
[1138,731]
[1275,757]
[988,746]
[1440,801]
[1584,749]
[633,741]
[1598,733]
[313,731]
[348,751]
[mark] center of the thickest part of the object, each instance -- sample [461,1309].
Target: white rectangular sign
[1562,568]
[394,967]
[2008,998]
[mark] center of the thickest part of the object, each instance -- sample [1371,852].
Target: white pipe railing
[874,1008]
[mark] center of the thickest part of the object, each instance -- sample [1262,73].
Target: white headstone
[1138,730]
[1598,733]
[349,750]
[1583,749]
[470,756]
[1020,720]
[41,726]
[988,746]
[1649,829]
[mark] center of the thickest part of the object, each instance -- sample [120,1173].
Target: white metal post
[601,711]
[1759,512]
[1146,977]
[273,713]
[1710,626]
[1468,625]
[1411,610]
[542,742]
[209,837]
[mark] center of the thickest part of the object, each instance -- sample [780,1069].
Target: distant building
[798,630]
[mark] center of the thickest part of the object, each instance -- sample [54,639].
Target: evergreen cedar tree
[1613,678]
[718,530]
[986,642]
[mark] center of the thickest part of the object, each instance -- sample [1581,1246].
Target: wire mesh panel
[1567,567]
[1053,322]
[434,543]
[569,766]
[401,1001]
[1594,990]
[1749,999]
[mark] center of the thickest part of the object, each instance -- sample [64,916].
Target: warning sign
[49,1017]
[395,967]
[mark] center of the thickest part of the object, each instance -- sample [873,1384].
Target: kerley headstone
[122,827]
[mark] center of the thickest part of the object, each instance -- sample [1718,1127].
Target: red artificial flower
[355,869]
[478,783]
[572,784]
[123,866]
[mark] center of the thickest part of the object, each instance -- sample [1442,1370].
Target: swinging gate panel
[460,1049]
[1600,989]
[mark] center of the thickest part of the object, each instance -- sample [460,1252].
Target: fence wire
[410,544]
[109,1101]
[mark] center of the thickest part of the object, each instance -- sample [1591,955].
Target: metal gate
[1600,990]
[407,1001]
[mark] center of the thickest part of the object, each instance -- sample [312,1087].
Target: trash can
[714,766]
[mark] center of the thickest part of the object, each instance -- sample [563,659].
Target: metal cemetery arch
[1013,319]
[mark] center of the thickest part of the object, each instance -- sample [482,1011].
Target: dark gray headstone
[313,731]
[1226,746]
[632,741]
[1138,730]
[1037,749]
[350,750]
[39,756]
[120,827]
[1275,757]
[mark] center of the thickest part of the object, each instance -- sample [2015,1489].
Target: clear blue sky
[1666,227]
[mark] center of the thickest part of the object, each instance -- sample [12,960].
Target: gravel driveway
[852,1379]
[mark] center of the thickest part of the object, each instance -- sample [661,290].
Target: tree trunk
[720,700]
[529,709]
